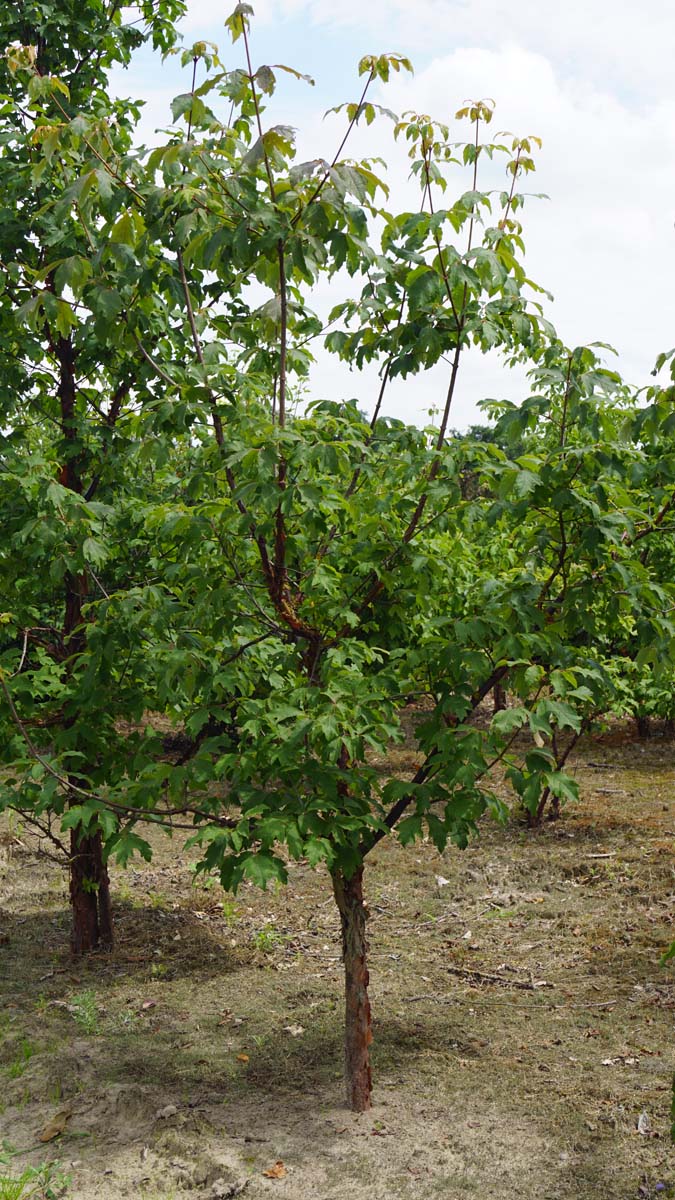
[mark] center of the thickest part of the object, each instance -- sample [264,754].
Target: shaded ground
[523,1023]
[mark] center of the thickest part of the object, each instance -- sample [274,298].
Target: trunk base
[92,927]
[644,727]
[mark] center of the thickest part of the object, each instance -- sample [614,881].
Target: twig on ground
[481,977]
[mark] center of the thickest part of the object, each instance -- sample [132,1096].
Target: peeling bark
[358,1030]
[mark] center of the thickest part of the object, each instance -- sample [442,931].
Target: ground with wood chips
[523,1024]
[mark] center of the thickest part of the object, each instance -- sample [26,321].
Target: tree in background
[68,397]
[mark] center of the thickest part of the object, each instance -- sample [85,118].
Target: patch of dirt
[523,1023]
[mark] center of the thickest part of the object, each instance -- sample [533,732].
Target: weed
[126,1022]
[267,939]
[24,1055]
[123,892]
[230,912]
[158,970]
[45,1182]
[85,1011]
[15,826]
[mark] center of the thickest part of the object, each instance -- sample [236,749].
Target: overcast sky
[593,78]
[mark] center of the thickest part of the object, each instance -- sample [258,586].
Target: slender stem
[283,338]
[19,669]
[566,397]
[426,770]
[324,179]
[195,60]
[279,581]
[46,832]
[437,236]
[256,105]
[155,366]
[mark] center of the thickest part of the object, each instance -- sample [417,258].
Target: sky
[592,78]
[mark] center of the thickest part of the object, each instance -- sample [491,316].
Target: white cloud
[607,39]
[605,243]
[574,74]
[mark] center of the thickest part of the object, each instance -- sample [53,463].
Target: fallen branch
[481,977]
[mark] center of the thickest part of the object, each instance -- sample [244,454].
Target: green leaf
[106,303]
[562,786]
[94,551]
[181,105]
[261,869]
[73,272]
[508,720]
[124,231]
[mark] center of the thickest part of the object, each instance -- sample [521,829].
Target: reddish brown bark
[358,1029]
[92,927]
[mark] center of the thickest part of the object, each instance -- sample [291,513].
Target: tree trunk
[644,727]
[358,1031]
[92,926]
[89,895]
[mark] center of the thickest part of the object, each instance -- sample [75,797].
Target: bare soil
[523,1022]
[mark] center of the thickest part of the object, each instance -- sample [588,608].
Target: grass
[85,1012]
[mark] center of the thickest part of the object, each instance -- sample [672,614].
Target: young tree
[306,551]
[314,566]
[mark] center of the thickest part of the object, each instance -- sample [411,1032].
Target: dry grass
[523,1023]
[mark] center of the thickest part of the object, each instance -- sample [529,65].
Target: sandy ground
[523,1023]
